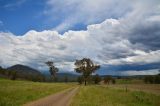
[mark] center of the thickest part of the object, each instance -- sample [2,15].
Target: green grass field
[16,93]
[103,96]
[129,81]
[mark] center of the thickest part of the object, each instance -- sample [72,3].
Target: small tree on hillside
[52,69]
[86,67]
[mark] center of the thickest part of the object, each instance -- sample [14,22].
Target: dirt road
[60,99]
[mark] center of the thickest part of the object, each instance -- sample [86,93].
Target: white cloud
[72,12]
[155,18]
[100,42]
[141,58]
[131,39]
[34,48]
[144,72]
[87,12]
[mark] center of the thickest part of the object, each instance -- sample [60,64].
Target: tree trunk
[85,82]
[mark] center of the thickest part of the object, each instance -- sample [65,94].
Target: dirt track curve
[59,99]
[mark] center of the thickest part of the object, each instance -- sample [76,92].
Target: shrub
[152,79]
[107,79]
[96,79]
[113,81]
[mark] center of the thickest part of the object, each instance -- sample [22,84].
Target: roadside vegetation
[105,96]
[152,79]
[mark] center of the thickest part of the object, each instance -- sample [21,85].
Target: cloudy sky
[123,36]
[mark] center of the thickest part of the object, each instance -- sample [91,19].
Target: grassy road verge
[102,96]
[16,93]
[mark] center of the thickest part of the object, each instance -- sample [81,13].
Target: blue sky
[20,16]
[122,36]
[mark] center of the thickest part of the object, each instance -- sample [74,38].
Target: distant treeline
[59,78]
[96,79]
[152,79]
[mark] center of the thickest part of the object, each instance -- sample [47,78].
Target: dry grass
[150,88]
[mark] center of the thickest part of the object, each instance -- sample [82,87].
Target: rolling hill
[22,72]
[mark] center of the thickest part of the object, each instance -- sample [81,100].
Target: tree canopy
[86,67]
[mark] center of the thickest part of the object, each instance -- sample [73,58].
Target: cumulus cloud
[131,39]
[86,12]
[140,58]
[143,72]
[72,12]
[100,42]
